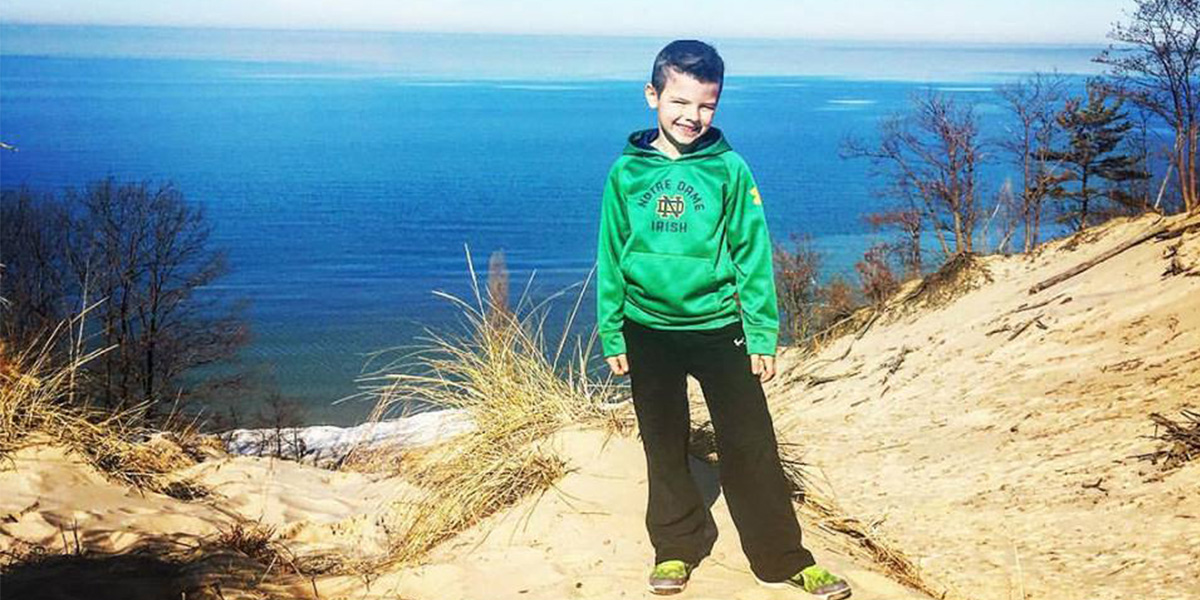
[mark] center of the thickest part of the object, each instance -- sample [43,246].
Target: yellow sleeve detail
[757,198]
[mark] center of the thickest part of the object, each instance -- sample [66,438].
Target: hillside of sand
[995,438]
[986,434]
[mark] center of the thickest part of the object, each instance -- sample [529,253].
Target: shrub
[875,275]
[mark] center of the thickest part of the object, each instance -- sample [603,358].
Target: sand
[582,539]
[992,444]
[585,539]
[1002,462]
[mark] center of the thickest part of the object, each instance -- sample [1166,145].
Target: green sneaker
[816,581]
[669,577]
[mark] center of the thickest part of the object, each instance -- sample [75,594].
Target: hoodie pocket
[672,286]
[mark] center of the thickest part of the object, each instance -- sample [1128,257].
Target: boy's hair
[688,56]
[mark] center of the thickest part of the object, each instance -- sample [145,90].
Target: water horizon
[490,56]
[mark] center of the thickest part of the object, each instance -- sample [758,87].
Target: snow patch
[328,443]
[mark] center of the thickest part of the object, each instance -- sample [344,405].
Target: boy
[685,286]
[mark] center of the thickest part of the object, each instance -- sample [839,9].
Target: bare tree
[806,307]
[33,276]
[875,274]
[796,272]
[1156,64]
[280,420]
[931,156]
[906,249]
[1009,212]
[143,252]
[1033,102]
[154,256]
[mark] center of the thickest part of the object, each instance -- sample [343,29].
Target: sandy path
[582,539]
[586,539]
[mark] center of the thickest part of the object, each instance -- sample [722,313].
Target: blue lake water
[344,173]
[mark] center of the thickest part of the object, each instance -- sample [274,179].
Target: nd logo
[671,206]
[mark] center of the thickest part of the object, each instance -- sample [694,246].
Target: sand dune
[585,539]
[991,440]
[582,539]
[996,441]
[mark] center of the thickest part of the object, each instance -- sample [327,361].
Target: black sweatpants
[752,478]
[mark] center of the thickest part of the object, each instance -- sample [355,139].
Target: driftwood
[1084,266]
[1162,232]
[1020,329]
[1025,307]
[998,330]
[1060,299]
[857,402]
[894,365]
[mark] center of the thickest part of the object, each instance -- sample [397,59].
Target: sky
[989,21]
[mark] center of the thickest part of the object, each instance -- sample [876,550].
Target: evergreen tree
[1094,132]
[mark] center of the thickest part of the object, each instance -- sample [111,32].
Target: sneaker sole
[787,586]
[666,591]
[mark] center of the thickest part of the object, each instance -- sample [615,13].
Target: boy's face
[685,108]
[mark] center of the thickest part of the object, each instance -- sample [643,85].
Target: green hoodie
[682,243]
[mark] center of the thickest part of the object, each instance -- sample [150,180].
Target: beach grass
[517,389]
[818,505]
[41,402]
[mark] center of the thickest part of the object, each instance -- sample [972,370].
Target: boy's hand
[618,364]
[763,365]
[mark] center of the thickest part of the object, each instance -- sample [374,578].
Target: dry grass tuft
[1181,440]
[33,394]
[517,391]
[466,486]
[855,537]
[38,404]
[187,490]
[250,539]
[21,552]
[957,276]
[863,540]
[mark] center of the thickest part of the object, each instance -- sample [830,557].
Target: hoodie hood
[711,143]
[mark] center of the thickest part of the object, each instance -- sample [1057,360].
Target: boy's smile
[686,107]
